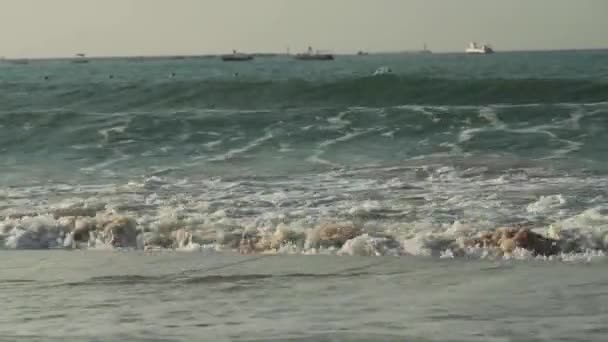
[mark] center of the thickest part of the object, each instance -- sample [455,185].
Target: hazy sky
[37,28]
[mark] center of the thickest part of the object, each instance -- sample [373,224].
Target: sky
[55,28]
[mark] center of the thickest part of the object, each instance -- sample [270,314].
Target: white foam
[106,133]
[428,208]
[366,208]
[285,148]
[383,70]
[390,134]
[547,203]
[40,232]
[213,144]
[365,245]
[105,164]
[316,157]
[338,122]
[489,114]
[238,151]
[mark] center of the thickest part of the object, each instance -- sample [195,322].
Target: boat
[425,50]
[475,49]
[80,59]
[362,53]
[19,61]
[311,55]
[236,57]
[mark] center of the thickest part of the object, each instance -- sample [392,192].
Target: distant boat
[20,61]
[311,55]
[80,58]
[425,50]
[475,49]
[237,57]
[362,53]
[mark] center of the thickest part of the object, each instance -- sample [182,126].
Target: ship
[475,49]
[425,50]
[236,57]
[80,59]
[311,55]
[19,61]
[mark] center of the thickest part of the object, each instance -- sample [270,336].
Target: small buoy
[46,77]
[172,74]
[111,76]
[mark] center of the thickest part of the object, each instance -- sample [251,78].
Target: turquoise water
[114,169]
[442,140]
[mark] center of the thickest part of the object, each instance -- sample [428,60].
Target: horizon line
[262,54]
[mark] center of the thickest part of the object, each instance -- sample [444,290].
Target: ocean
[282,200]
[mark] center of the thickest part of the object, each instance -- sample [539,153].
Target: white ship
[479,50]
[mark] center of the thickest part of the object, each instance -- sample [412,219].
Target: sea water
[439,149]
